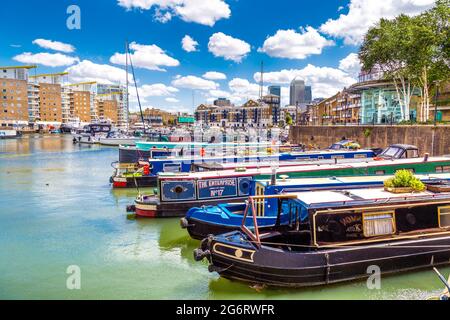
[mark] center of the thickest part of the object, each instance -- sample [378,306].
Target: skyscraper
[308,94]
[275,90]
[299,93]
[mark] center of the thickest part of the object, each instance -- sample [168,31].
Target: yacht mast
[127,102]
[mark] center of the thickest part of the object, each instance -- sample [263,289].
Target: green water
[57,209]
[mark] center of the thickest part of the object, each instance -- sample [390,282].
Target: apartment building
[253,113]
[14,96]
[107,110]
[50,105]
[45,98]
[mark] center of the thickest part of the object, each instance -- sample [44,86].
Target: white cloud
[88,71]
[156,90]
[162,16]
[222,45]
[325,81]
[172,100]
[351,64]
[205,12]
[54,45]
[150,57]
[188,44]
[242,90]
[194,83]
[219,94]
[293,45]
[47,59]
[363,14]
[213,75]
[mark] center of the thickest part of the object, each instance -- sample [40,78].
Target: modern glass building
[275,90]
[300,93]
[380,104]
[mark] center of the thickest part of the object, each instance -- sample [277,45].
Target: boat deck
[323,199]
[300,168]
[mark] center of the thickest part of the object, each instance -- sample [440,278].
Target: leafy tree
[412,52]
[430,54]
[289,120]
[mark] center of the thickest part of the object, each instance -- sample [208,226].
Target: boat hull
[154,209]
[117,142]
[200,230]
[141,182]
[279,268]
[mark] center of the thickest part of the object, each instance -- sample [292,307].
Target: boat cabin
[400,151]
[321,219]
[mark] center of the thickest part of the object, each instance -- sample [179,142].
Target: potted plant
[404,182]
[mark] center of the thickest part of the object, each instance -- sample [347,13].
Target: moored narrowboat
[186,164]
[335,236]
[177,193]
[203,221]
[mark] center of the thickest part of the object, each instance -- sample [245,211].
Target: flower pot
[399,190]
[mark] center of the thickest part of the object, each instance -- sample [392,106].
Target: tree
[385,48]
[412,52]
[289,120]
[430,53]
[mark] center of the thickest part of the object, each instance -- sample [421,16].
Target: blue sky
[314,40]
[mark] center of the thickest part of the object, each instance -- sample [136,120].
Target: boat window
[392,152]
[412,153]
[378,224]
[443,169]
[337,157]
[172,167]
[336,147]
[380,172]
[444,217]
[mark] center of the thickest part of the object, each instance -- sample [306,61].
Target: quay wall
[430,139]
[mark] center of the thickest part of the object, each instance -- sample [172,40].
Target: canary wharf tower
[299,93]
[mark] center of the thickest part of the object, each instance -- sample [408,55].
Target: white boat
[115,139]
[9,134]
[91,134]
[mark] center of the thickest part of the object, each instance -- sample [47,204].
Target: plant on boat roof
[405,179]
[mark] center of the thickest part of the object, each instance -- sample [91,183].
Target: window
[378,224]
[444,217]
[380,172]
[443,169]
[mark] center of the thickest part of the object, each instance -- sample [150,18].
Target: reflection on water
[57,209]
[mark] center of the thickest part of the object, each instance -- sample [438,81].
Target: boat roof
[347,180]
[404,146]
[299,168]
[208,162]
[353,197]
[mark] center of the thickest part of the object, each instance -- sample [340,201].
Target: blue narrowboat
[145,174]
[203,221]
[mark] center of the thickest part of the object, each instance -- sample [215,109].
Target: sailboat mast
[127,102]
[137,90]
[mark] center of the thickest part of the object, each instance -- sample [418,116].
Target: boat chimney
[273,180]
[427,155]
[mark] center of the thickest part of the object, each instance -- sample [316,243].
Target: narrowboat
[204,221]
[177,193]
[335,236]
[153,167]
